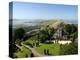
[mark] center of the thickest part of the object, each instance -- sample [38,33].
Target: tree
[45,51]
[50,33]
[42,35]
[46,34]
[31,55]
[19,33]
[69,49]
[74,28]
[70,28]
[74,37]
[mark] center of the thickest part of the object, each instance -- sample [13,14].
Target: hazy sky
[22,10]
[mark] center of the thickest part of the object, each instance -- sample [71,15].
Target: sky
[22,10]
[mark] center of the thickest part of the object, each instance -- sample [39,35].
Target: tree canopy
[46,34]
[19,33]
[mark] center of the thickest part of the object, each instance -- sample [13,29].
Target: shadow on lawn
[48,42]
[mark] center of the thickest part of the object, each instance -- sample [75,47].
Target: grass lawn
[24,53]
[54,49]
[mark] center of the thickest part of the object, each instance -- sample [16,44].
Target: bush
[31,55]
[19,33]
[69,49]
[27,43]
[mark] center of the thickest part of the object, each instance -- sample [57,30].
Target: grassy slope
[53,49]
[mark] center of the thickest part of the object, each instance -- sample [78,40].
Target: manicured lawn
[24,53]
[54,49]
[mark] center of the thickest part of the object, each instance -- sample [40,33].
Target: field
[53,48]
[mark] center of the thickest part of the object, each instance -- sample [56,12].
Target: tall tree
[46,34]
[19,33]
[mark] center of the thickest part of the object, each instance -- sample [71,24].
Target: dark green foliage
[31,55]
[26,55]
[27,43]
[37,44]
[69,49]
[33,44]
[74,37]
[18,42]
[70,28]
[19,33]
[46,34]
[46,51]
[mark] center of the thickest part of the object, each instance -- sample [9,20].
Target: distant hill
[57,24]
